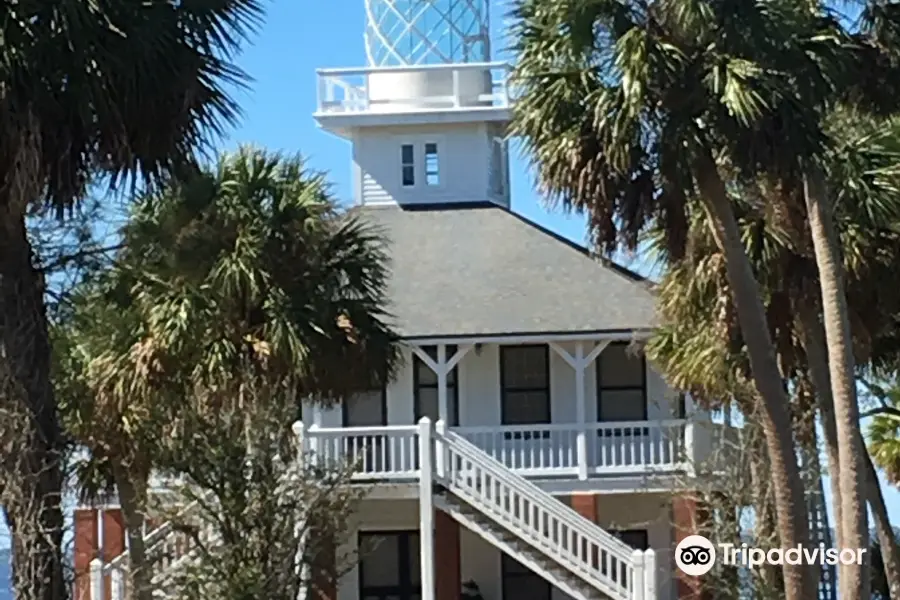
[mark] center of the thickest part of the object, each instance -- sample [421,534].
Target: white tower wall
[471,167]
[427,117]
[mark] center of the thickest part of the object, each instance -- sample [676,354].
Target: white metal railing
[527,511]
[342,91]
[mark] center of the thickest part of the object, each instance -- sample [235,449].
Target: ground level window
[636,538]
[389,567]
[520,582]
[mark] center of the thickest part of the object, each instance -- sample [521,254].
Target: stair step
[517,544]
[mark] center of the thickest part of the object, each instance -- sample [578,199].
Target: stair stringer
[475,481]
[524,553]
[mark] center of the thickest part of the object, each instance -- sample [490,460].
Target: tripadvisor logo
[695,555]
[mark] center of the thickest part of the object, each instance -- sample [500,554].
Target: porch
[564,408]
[390,453]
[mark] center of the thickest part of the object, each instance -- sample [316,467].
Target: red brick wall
[86,545]
[585,505]
[448,579]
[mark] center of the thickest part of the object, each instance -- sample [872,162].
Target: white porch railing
[551,450]
[343,91]
[388,452]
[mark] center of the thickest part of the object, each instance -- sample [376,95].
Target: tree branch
[69,258]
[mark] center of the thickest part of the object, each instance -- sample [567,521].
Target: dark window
[621,387]
[366,409]
[525,385]
[520,582]
[408,164]
[425,388]
[389,568]
[432,167]
[681,410]
[636,538]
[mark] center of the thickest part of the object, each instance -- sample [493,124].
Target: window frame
[600,388]
[505,563]
[504,390]
[643,533]
[405,588]
[437,156]
[411,164]
[418,385]
[498,186]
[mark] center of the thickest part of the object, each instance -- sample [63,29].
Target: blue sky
[299,37]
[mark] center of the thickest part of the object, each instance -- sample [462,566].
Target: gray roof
[472,270]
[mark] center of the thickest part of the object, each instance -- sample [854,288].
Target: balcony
[395,95]
[391,453]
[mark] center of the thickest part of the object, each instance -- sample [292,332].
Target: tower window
[407,165]
[498,164]
[432,176]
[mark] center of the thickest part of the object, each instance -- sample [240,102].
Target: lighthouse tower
[428,116]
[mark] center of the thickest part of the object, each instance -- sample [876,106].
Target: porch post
[426,510]
[317,424]
[443,407]
[96,580]
[580,409]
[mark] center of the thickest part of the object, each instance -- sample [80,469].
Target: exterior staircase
[508,511]
[553,540]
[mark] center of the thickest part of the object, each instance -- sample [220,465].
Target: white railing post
[456,87]
[689,448]
[299,430]
[637,584]
[650,575]
[426,510]
[320,91]
[581,452]
[300,434]
[314,440]
[97,580]
[117,584]
[440,455]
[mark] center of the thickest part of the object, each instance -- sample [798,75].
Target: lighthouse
[427,117]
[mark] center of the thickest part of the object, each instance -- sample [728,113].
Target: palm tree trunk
[776,420]
[31,442]
[813,340]
[132,496]
[814,344]
[890,553]
[854,581]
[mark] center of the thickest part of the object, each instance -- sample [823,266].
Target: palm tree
[884,435]
[241,280]
[701,347]
[111,91]
[628,108]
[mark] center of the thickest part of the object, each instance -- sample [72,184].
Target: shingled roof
[468,271]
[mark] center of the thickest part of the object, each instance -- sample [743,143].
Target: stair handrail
[565,515]
[545,500]
[153,539]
